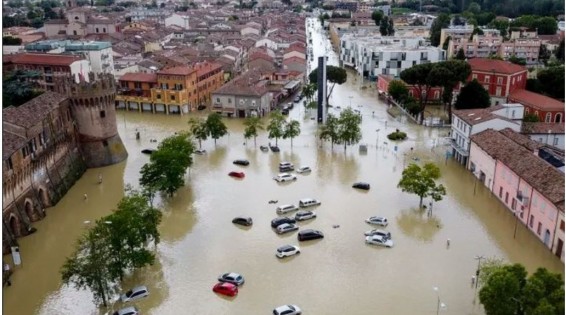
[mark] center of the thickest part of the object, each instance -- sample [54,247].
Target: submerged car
[361,185]
[304,169]
[286,208]
[226,288]
[286,228]
[377,220]
[245,221]
[308,234]
[241,162]
[381,233]
[289,309]
[200,151]
[287,250]
[305,215]
[135,294]
[308,202]
[284,177]
[278,221]
[237,174]
[132,310]
[232,277]
[286,167]
[379,240]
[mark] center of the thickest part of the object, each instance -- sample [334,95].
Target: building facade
[551,134]
[244,96]
[545,108]
[499,78]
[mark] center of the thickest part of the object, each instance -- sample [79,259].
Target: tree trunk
[101,290]
[255,144]
[329,94]
[199,143]
[276,141]
[291,142]
[345,143]
[215,143]
[421,202]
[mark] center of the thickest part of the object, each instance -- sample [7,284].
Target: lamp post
[350,97]
[475,182]
[377,140]
[516,221]
[439,304]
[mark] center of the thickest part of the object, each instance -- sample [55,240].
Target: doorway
[559,246]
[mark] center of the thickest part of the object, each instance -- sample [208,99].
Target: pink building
[507,163]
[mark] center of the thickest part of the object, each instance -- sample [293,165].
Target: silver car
[379,240]
[285,177]
[289,309]
[233,278]
[132,310]
[286,228]
[381,233]
[135,294]
[377,220]
[305,215]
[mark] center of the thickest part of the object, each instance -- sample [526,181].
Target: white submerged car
[379,240]
[286,228]
[304,169]
[285,177]
[287,250]
[381,233]
[377,220]
[287,310]
[305,215]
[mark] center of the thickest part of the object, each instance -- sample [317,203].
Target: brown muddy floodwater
[337,275]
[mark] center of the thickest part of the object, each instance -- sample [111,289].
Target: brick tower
[92,107]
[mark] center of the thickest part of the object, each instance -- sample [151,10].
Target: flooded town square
[339,274]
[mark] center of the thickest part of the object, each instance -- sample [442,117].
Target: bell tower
[94,112]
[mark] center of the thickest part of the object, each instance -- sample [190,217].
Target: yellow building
[175,90]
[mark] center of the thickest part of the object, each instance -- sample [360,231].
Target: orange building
[175,90]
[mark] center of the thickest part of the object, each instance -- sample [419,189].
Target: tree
[87,267]
[334,75]
[474,8]
[461,55]
[376,16]
[448,74]
[383,26]
[292,130]
[276,126]
[398,90]
[329,130]
[421,182]
[543,293]
[472,95]
[502,291]
[9,40]
[309,90]
[531,118]
[518,61]
[442,21]
[20,87]
[215,126]
[420,77]
[348,130]
[167,166]
[198,129]
[501,25]
[559,53]
[552,81]
[543,54]
[390,27]
[253,124]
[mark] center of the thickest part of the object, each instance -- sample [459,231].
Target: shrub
[397,135]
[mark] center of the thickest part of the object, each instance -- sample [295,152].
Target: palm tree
[253,124]
[292,129]
[199,130]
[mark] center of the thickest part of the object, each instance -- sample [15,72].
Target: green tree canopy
[334,75]
[422,182]
[552,81]
[253,125]
[292,130]
[20,87]
[198,129]
[461,55]
[9,40]
[276,126]
[472,95]
[348,130]
[329,130]
[167,166]
[530,118]
[376,16]
[215,126]
[442,21]
[559,53]
[398,90]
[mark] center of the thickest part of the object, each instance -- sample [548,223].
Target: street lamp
[377,141]
[439,304]
[475,182]
[350,97]
[515,212]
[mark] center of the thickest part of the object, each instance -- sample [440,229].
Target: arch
[526,110]
[30,211]
[44,197]
[536,113]
[558,118]
[548,117]
[15,225]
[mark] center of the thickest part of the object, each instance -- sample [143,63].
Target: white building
[466,123]
[374,55]
[179,19]
[99,54]
[551,134]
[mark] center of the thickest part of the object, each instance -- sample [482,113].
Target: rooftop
[43,59]
[29,114]
[179,70]
[493,65]
[542,127]
[46,45]
[11,143]
[542,176]
[536,100]
[139,77]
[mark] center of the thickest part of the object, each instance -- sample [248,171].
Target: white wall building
[551,134]
[99,54]
[374,55]
[466,123]
[179,19]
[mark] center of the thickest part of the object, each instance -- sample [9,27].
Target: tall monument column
[321,84]
[93,109]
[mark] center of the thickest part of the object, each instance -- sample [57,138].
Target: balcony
[463,151]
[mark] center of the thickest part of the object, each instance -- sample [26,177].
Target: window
[97,29]
[11,166]
[499,80]
[158,96]
[555,141]
[474,76]
[500,192]
[506,197]
[486,87]
[531,220]
[513,204]
[218,100]
[548,117]
[539,227]
[102,114]
[558,118]
[104,30]
[229,101]
[486,79]
[172,97]
[562,225]
[75,33]
[105,143]
[498,91]
[472,166]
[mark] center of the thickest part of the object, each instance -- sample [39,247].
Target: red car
[226,288]
[237,174]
